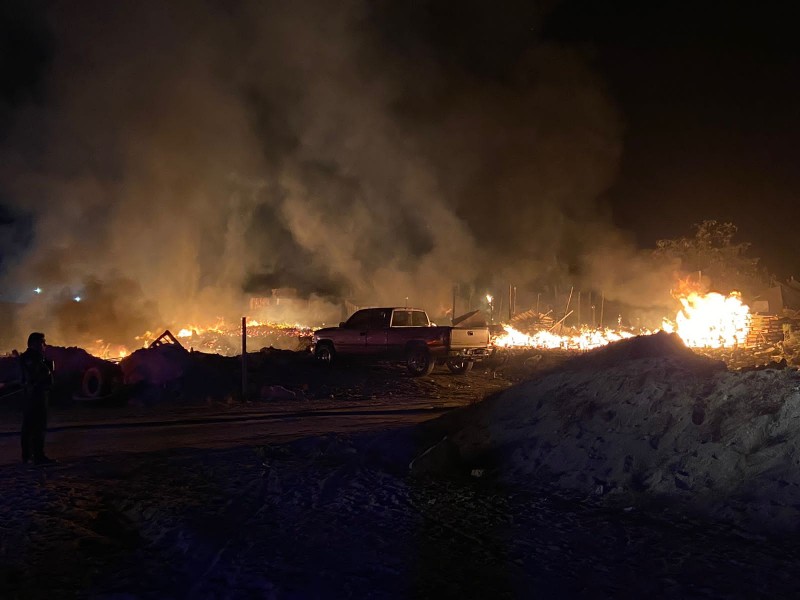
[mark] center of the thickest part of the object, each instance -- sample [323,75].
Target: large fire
[585,339]
[705,321]
[711,320]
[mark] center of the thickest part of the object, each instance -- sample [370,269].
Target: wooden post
[515,301]
[591,307]
[580,314]
[566,310]
[602,306]
[453,314]
[499,308]
[244,358]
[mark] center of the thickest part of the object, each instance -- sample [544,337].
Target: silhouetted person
[37,379]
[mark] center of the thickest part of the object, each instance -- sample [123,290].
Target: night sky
[377,150]
[710,98]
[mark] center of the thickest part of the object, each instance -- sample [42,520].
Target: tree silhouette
[718,262]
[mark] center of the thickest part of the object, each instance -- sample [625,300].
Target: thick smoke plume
[186,156]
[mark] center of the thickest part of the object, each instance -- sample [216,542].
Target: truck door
[378,332]
[401,331]
[352,338]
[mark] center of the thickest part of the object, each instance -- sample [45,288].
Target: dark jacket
[37,373]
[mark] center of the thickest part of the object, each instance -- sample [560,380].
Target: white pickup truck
[401,333]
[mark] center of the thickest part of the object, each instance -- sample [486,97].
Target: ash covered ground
[640,468]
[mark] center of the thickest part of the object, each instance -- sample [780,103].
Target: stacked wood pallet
[764,330]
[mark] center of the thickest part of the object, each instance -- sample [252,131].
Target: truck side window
[419,319]
[379,319]
[401,318]
[359,320]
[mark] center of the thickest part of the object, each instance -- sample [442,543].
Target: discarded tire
[93,383]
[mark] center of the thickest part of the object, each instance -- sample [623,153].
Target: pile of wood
[532,320]
[765,330]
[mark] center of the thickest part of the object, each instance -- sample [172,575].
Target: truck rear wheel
[419,362]
[460,366]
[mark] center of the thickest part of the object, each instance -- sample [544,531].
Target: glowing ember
[711,320]
[586,339]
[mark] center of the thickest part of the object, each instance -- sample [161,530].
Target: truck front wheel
[460,366]
[419,362]
[324,353]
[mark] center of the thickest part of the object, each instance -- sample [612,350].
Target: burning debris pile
[705,321]
[219,338]
[721,327]
[711,320]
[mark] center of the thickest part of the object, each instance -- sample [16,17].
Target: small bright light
[77,298]
[37,290]
[489,298]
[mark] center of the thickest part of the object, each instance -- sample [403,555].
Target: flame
[585,339]
[210,337]
[711,320]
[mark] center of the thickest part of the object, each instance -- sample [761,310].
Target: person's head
[36,341]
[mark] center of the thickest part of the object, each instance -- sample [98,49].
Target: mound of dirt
[659,345]
[640,422]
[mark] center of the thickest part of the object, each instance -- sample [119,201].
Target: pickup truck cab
[406,334]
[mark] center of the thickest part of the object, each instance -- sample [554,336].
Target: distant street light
[77,298]
[37,290]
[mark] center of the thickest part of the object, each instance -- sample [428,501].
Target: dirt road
[335,401]
[74,441]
